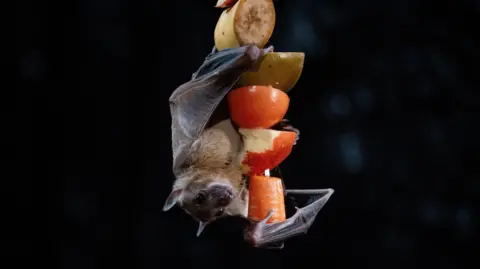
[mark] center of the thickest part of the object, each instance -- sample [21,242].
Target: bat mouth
[223,194]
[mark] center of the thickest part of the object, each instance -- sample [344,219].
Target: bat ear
[201,226]
[172,199]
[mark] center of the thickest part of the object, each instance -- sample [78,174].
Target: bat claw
[269,49]
[269,215]
[284,125]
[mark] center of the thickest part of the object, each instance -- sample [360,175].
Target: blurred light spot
[398,242]
[363,97]
[424,87]
[431,212]
[78,257]
[303,35]
[468,44]
[371,194]
[400,9]
[340,105]
[444,68]
[412,60]
[382,65]
[78,209]
[463,219]
[329,17]
[115,40]
[200,251]
[435,132]
[111,7]
[103,8]
[351,153]
[148,234]
[400,169]
[32,65]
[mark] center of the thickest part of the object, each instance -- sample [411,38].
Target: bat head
[208,203]
[205,197]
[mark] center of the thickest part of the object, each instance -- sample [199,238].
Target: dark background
[386,105]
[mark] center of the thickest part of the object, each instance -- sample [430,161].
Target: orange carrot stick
[266,193]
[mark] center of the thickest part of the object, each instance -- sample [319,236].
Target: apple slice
[225,3]
[264,149]
[281,70]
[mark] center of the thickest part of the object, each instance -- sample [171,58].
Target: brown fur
[212,161]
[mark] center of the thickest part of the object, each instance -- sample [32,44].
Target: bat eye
[200,198]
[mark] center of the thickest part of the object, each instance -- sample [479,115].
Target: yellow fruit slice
[248,22]
[280,70]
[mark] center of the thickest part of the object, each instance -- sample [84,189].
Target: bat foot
[269,49]
[284,125]
[273,245]
[273,235]
[253,232]
[269,215]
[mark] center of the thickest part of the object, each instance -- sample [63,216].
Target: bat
[208,183]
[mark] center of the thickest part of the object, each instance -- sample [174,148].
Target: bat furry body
[208,182]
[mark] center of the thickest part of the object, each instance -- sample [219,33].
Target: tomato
[257,106]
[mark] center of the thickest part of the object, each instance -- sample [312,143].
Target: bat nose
[224,200]
[222,194]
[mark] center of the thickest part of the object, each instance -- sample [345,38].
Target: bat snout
[222,194]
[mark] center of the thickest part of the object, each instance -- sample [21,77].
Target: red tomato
[257,106]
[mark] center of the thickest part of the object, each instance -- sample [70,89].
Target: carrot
[266,193]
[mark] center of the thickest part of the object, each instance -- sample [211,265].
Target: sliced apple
[225,3]
[264,149]
[247,22]
[278,69]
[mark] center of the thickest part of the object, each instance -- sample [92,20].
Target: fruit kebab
[259,102]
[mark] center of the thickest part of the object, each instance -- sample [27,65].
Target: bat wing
[193,103]
[272,235]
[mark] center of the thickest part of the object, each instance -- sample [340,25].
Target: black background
[386,105]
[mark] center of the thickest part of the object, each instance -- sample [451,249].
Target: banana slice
[280,70]
[248,22]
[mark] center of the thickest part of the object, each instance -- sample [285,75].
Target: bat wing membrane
[193,103]
[272,235]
